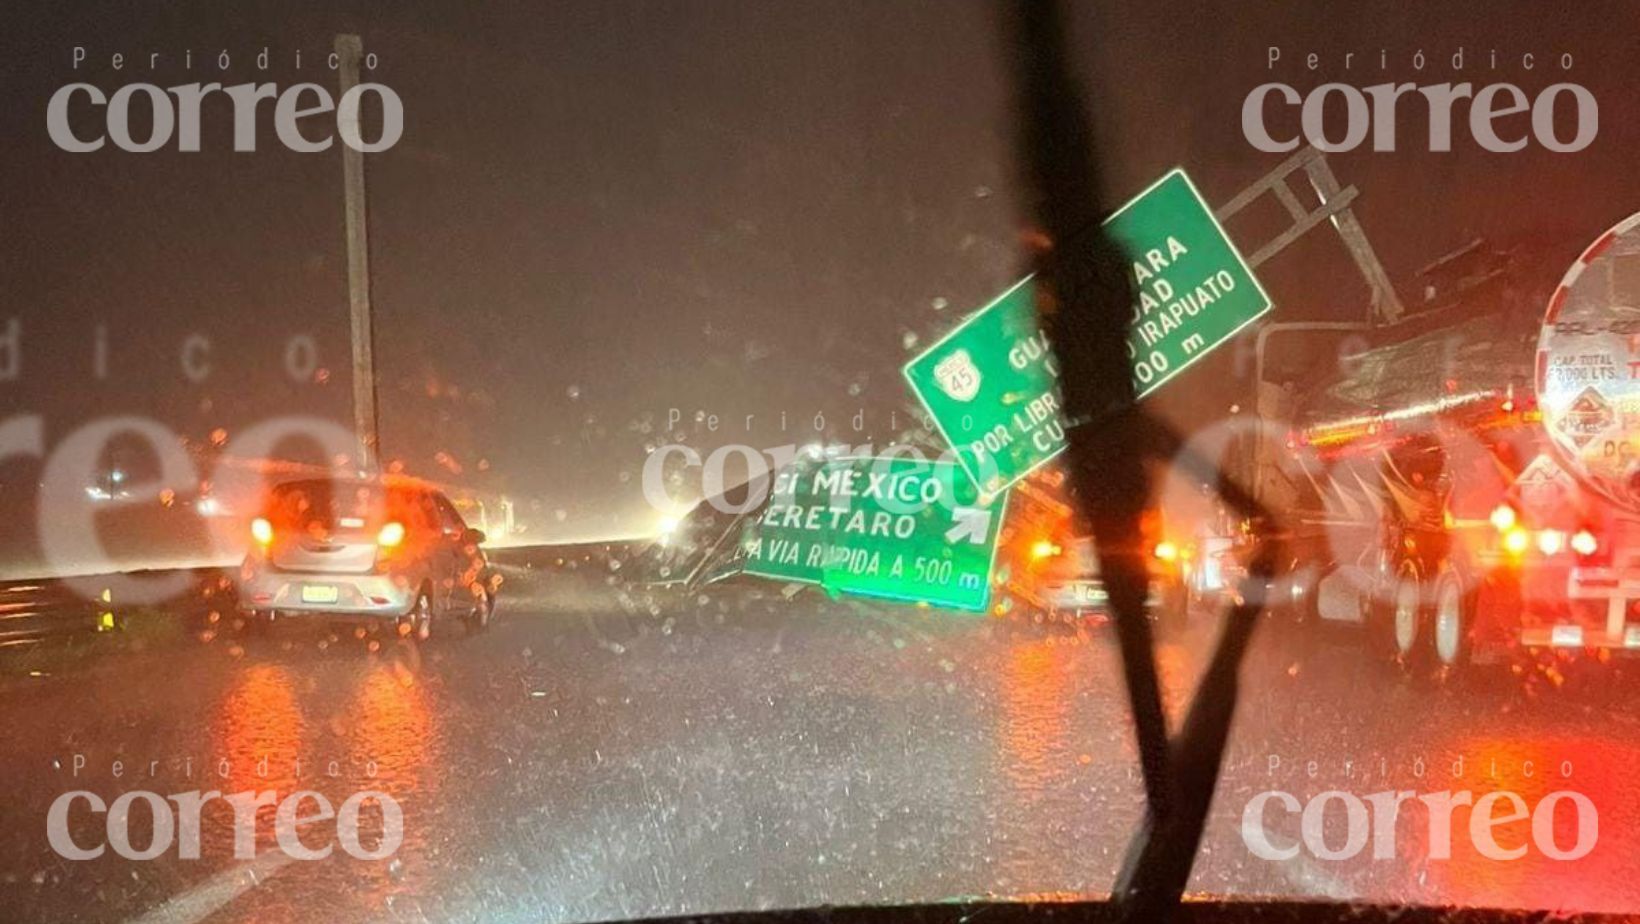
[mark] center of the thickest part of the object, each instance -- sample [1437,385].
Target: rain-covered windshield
[608,459]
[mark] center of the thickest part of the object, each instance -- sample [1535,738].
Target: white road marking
[205,899]
[208,897]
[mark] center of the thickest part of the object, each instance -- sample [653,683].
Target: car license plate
[1564,636]
[1088,592]
[319,593]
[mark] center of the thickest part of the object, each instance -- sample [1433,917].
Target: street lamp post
[349,49]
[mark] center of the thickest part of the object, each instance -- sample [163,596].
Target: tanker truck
[1464,487]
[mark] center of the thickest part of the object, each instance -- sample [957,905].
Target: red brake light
[261,531]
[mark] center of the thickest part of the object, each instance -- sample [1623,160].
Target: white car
[392,549]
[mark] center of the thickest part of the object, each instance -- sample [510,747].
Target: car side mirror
[473,536]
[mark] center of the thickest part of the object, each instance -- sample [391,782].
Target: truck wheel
[1453,623]
[1408,616]
[1401,624]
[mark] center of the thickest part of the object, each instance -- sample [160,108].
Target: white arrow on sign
[973,522]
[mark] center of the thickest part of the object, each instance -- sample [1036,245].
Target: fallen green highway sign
[992,391]
[895,528]
[991,386]
[1195,291]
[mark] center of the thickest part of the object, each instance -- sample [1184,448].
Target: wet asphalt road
[591,759]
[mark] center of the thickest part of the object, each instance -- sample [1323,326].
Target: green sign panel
[1195,291]
[896,528]
[992,390]
[991,386]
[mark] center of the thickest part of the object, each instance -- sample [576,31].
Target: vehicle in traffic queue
[389,551]
[1477,503]
[1052,566]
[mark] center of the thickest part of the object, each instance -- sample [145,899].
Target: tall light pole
[349,49]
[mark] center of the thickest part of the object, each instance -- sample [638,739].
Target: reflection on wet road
[581,762]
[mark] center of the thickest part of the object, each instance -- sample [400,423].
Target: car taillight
[1503,518]
[261,531]
[391,535]
[1167,551]
[1043,548]
[1550,541]
[1517,540]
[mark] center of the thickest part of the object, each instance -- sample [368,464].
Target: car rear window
[343,505]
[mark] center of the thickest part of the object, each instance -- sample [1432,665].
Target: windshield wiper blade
[1085,299]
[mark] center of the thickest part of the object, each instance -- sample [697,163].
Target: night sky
[600,211]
